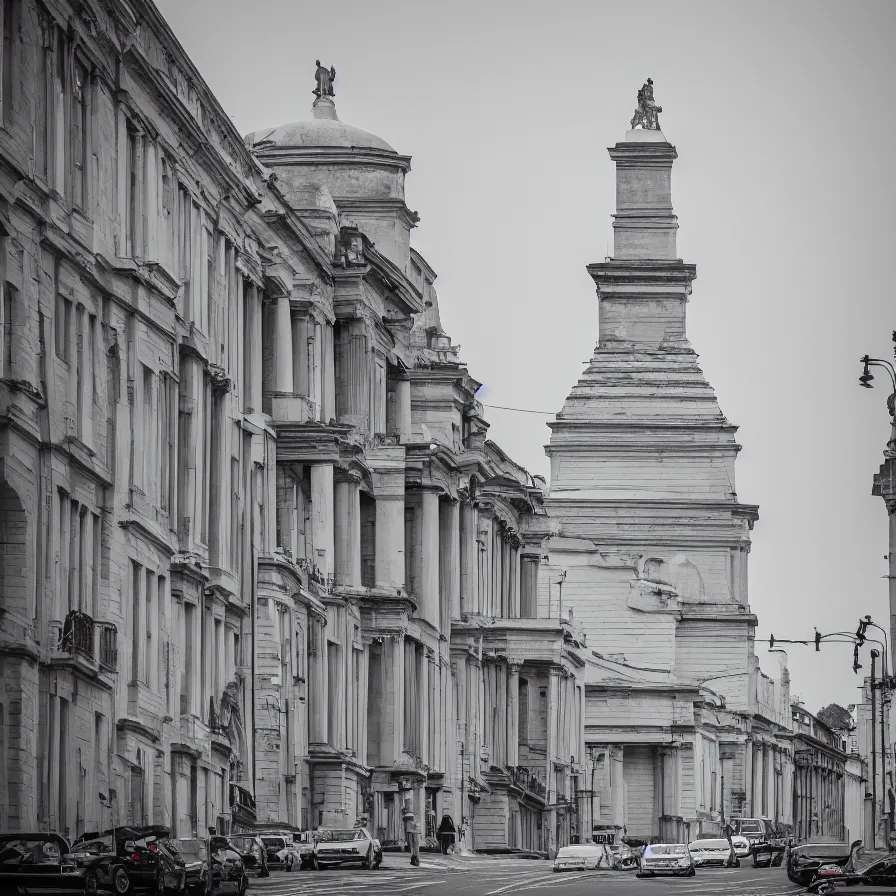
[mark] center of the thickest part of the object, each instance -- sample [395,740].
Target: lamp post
[885,481]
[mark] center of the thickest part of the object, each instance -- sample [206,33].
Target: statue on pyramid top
[324,78]
[647,113]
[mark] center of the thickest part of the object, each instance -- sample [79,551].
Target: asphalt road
[509,877]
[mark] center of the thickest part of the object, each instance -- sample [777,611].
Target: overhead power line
[501,407]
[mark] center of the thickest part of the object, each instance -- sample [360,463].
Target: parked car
[820,860]
[38,863]
[228,874]
[129,860]
[583,857]
[252,852]
[339,847]
[742,846]
[878,874]
[623,857]
[276,844]
[713,852]
[666,858]
[756,830]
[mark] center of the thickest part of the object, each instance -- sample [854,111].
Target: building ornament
[325,78]
[647,112]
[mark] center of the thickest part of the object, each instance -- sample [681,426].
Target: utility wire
[501,407]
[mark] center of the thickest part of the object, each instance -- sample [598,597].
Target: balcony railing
[529,780]
[77,634]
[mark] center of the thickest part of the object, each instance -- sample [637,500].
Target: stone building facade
[258,557]
[652,544]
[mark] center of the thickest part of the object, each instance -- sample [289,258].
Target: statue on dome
[647,113]
[324,78]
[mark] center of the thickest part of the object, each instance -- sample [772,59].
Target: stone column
[329,375]
[484,535]
[429,548]
[283,343]
[449,563]
[348,531]
[424,708]
[615,767]
[318,685]
[403,408]
[390,542]
[529,586]
[398,695]
[553,719]
[317,375]
[300,354]
[513,717]
[757,779]
[322,521]
[253,338]
[355,402]
[501,688]
[468,554]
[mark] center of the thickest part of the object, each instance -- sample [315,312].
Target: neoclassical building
[258,558]
[652,543]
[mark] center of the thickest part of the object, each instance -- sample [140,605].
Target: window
[147,448]
[165,439]
[136,621]
[99,741]
[41,129]
[63,327]
[188,681]
[132,186]
[80,135]
[59,133]
[9,66]
[150,673]
[10,306]
[79,369]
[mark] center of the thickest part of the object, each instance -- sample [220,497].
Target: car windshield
[709,844]
[242,843]
[751,827]
[274,842]
[666,849]
[192,850]
[343,836]
[14,850]
[823,850]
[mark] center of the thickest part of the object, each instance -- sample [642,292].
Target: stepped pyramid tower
[651,543]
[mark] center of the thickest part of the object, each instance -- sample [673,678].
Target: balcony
[77,635]
[528,779]
[88,643]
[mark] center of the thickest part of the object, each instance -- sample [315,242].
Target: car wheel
[315,865]
[90,884]
[366,863]
[736,862]
[241,889]
[120,880]
[692,871]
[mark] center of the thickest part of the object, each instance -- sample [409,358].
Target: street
[497,877]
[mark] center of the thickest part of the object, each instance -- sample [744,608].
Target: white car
[711,852]
[583,857]
[742,846]
[666,858]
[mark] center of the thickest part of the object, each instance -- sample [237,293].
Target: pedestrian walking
[411,834]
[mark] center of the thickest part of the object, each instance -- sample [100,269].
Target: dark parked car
[813,861]
[227,869]
[252,851]
[37,863]
[129,860]
[879,874]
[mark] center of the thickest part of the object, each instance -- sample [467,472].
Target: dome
[324,130]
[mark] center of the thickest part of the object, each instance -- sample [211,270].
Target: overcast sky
[784,188]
